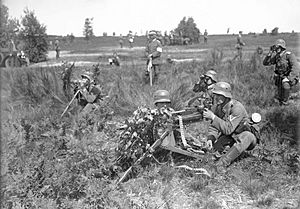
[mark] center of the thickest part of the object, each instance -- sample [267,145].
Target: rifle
[150,70]
[70,103]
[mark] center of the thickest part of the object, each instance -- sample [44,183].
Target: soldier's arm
[295,71]
[228,125]
[270,58]
[158,50]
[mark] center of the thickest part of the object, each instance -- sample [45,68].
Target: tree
[88,29]
[188,29]
[33,33]
[9,27]
[275,31]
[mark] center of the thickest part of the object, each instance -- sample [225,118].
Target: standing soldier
[205,36]
[230,126]
[153,51]
[239,46]
[130,39]
[57,48]
[286,69]
[121,42]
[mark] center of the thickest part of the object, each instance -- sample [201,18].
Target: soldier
[162,99]
[286,70]
[57,48]
[130,39]
[114,60]
[153,51]
[204,87]
[121,41]
[205,36]
[230,126]
[239,46]
[90,94]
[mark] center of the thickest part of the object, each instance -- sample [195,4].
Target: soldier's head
[259,50]
[280,43]
[210,77]
[162,98]
[152,34]
[86,79]
[221,93]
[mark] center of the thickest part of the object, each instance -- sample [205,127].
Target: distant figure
[205,36]
[57,48]
[114,60]
[121,42]
[130,39]
[228,30]
[257,57]
[153,52]
[239,46]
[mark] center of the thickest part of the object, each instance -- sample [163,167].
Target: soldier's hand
[208,114]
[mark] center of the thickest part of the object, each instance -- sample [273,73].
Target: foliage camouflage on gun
[146,131]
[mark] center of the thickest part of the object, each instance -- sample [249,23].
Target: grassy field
[53,162]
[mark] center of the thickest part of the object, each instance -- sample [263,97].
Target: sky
[62,17]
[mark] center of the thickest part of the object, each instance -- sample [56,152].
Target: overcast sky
[64,17]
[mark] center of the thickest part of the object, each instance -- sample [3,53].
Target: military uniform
[239,46]
[205,37]
[286,70]
[228,128]
[153,50]
[89,95]
[230,125]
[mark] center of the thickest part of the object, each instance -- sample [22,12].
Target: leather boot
[226,159]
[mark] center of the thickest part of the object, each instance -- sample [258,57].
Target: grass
[49,163]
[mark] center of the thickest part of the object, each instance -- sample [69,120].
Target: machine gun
[172,138]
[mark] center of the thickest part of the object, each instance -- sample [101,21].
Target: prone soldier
[286,70]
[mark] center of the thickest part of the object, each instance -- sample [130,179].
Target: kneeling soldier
[230,126]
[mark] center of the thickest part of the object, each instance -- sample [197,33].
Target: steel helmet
[152,32]
[161,96]
[280,42]
[86,76]
[212,74]
[222,88]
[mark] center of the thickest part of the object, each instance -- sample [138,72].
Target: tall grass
[64,162]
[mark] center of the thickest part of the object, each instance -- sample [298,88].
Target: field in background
[48,162]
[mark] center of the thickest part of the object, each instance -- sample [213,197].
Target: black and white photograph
[161,104]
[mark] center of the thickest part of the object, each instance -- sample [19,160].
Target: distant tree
[187,28]
[104,33]
[33,33]
[265,32]
[10,27]
[114,33]
[275,31]
[88,29]
[70,37]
